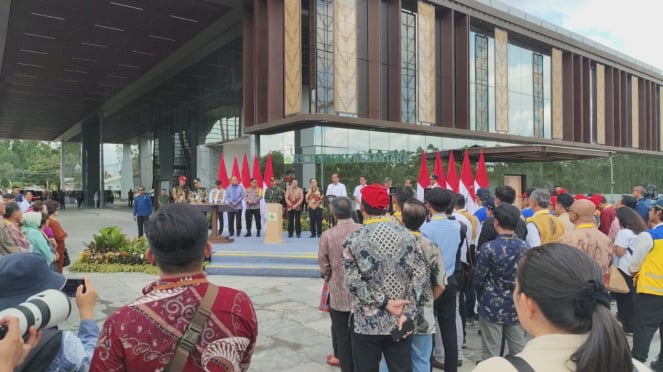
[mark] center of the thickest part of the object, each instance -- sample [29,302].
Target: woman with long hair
[60,235]
[631,226]
[561,301]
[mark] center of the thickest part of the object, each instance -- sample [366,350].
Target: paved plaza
[293,335]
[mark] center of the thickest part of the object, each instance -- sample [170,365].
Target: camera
[43,310]
[650,192]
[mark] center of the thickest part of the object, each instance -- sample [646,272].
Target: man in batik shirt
[433,281]
[379,265]
[495,280]
[143,335]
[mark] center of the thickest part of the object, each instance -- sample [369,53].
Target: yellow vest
[550,227]
[473,222]
[650,277]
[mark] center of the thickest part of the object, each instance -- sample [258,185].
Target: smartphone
[397,334]
[71,285]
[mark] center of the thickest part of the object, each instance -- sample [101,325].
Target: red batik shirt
[143,335]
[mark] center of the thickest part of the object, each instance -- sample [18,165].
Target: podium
[216,209]
[274,223]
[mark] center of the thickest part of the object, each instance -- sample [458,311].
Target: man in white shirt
[433,182]
[357,195]
[215,196]
[334,189]
[26,203]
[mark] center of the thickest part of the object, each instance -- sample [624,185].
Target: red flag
[269,172]
[236,170]
[452,174]
[223,173]
[439,171]
[481,180]
[256,170]
[466,187]
[246,175]
[424,180]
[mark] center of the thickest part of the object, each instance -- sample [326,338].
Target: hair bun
[591,293]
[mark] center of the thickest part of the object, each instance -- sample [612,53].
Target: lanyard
[439,217]
[585,226]
[416,233]
[369,221]
[180,283]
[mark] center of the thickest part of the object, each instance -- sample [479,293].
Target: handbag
[616,282]
[193,331]
[67,260]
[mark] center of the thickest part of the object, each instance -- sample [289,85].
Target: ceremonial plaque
[274,223]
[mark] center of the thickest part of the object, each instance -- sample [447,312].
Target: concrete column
[146,162]
[91,159]
[166,158]
[127,171]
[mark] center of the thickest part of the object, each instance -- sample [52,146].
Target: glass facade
[482,82]
[529,97]
[324,56]
[408,66]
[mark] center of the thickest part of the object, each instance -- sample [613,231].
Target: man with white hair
[542,227]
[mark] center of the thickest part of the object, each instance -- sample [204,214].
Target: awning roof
[525,153]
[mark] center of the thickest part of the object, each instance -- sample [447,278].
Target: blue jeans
[420,352]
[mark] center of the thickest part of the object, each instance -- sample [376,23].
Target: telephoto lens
[43,310]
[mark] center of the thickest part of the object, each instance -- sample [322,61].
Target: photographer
[25,274]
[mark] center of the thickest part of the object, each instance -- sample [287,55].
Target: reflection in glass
[537,70]
[324,53]
[481,82]
[408,67]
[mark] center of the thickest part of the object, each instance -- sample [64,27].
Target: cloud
[630,28]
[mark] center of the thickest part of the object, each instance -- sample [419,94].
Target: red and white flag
[269,172]
[246,175]
[235,171]
[256,170]
[438,170]
[467,185]
[424,179]
[481,179]
[452,174]
[223,173]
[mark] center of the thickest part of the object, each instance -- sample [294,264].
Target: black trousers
[141,221]
[626,304]
[648,317]
[235,219]
[342,331]
[249,215]
[367,350]
[445,311]
[219,216]
[315,219]
[294,222]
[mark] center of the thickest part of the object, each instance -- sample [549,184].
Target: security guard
[181,191]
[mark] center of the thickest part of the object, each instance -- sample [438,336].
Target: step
[257,269]
[226,257]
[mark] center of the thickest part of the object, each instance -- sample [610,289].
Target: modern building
[189,80]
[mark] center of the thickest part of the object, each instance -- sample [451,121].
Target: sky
[631,27]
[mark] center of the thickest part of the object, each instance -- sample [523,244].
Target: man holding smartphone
[385,288]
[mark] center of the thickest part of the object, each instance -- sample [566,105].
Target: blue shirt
[481,214]
[495,277]
[642,207]
[76,351]
[527,213]
[446,234]
[234,195]
[142,205]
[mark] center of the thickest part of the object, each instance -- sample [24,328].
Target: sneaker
[247,234]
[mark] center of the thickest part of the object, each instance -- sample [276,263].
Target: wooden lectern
[274,223]
[215,208]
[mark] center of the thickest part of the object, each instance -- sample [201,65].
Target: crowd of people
[404,278]
[538,271]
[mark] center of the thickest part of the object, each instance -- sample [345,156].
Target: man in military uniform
[199,194]
[274,194]
[181,191]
